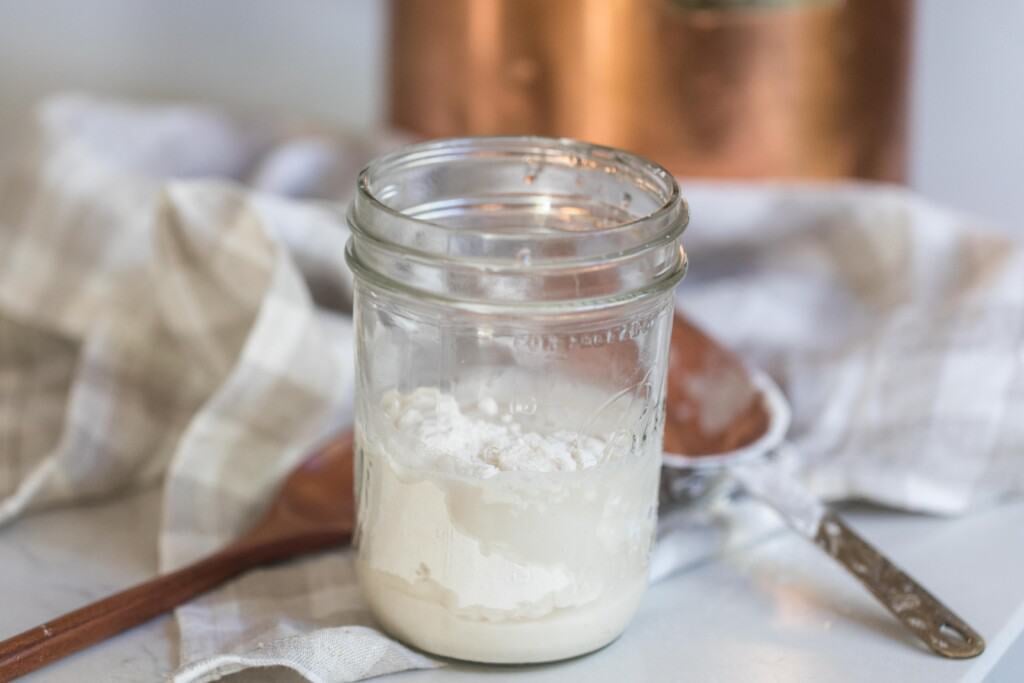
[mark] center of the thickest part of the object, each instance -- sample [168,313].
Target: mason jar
[513,305]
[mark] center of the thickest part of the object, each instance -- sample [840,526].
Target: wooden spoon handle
[48,642]
[98,621]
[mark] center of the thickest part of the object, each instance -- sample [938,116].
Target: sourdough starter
[487,540]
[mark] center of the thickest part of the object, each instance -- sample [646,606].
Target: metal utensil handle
[941,630]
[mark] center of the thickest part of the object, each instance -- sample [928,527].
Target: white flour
[475,444]
[484,540]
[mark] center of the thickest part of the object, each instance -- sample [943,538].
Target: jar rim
[517,220]
[550,148]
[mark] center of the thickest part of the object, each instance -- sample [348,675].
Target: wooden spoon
[314,510]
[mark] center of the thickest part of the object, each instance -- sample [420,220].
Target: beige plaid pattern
[158,322]
[151,324]
[896,329]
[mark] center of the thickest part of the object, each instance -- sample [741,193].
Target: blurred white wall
[967,107]
[319,58]
[325,58]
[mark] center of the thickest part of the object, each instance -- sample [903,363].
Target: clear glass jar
[513,305]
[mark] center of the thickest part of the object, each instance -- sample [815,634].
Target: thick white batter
[486,540]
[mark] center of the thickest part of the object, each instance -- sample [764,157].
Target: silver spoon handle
[939,627]
[922,613]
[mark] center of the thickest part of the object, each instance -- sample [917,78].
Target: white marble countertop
[775,610]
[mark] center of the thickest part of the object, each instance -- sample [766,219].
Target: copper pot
[811,89]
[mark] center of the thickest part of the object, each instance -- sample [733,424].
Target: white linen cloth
[173,304]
